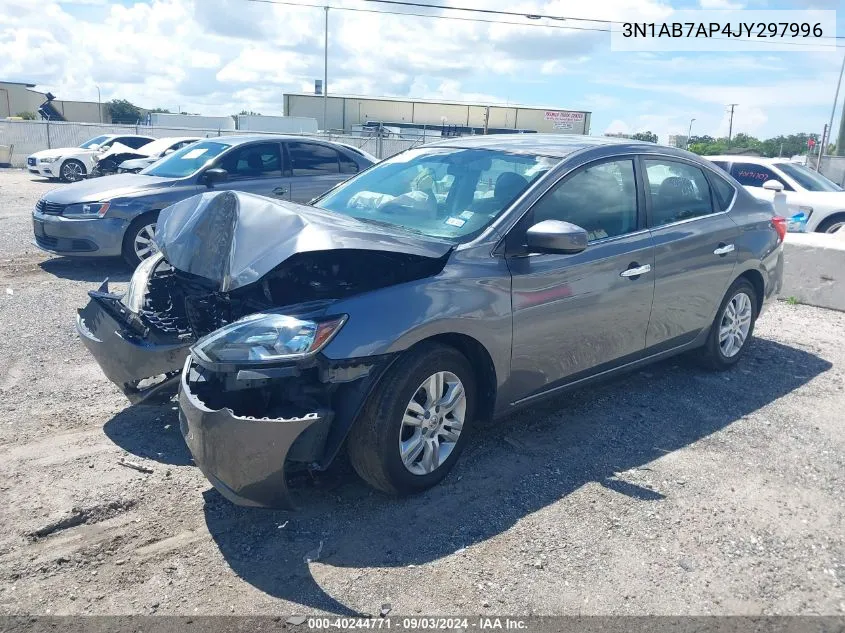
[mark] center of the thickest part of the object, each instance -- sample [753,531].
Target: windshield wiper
[390,225]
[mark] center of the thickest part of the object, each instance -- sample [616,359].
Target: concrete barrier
[814,269]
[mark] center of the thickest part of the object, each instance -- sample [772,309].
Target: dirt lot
[670,491]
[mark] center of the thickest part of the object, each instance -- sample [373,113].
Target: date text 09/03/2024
[420,623]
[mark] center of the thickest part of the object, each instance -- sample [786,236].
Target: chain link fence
[27,137]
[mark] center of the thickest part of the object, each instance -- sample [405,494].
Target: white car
[70,164]
[807,191]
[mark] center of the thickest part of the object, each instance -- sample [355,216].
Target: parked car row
[116,215]
[71,164]
[821,201]
[453,283]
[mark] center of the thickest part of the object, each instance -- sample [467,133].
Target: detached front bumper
[144,370]
[244,457]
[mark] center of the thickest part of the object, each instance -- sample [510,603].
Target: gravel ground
[668,491]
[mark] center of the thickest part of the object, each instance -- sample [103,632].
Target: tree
[649,136]
[27,116]
[248,113]
[122,111]
[160,111]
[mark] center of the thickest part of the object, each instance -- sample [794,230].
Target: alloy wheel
[72,171]
[432,423]
[144,244]
[833,228]
[735,324]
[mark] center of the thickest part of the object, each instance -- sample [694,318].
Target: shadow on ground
[93,269]
[151,432]
[512,469]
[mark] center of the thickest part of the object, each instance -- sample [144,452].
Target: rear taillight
[780,226]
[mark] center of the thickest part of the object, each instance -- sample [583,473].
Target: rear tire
[397,420]
[72,171]
[137,236]
[831,224]
[732,328]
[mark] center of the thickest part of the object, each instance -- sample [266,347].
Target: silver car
[445,286]
[116,215]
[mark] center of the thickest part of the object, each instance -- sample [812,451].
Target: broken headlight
[266,338]
[134,299]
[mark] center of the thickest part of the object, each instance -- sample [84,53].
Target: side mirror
[94,147]
[773,185]
[213,175]
[554,236]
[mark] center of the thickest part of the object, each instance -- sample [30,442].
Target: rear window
[725,191]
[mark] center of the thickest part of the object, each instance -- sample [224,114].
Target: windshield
[807,178]
[97,140]
[158,146]
[186,161]
[440,191]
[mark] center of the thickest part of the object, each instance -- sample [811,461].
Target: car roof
[759,160]
[557,145]
[239,139]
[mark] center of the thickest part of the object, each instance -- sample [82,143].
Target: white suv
[70,164]
[807,191]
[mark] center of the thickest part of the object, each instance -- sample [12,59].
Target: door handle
[724,249]
[636,272]
[280,191]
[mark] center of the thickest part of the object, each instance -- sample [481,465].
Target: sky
[222,56]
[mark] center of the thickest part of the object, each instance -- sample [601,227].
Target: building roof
[17,83]
[435,101]
[558,145]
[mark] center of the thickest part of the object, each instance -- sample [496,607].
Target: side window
[751,175]
[720,163]
[261,160]
[678,191]
[724,190]
[311,159]
[600,198]
[134,142]
[347,165]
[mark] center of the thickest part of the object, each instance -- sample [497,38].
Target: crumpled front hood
[234,238]
[106,188]
[120,148]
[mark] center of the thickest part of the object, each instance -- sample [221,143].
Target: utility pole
[689,132]
[839,151]
[326,73]
[819,159]
[731,123]
[486,119]
[99,104]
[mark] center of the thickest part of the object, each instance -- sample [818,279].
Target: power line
[529,24]
[531,16]
[427,15]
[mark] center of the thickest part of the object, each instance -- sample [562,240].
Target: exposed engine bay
[188,307]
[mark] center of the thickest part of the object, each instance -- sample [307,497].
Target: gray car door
[316,168]
[695,252]
[256,168]
[575,313]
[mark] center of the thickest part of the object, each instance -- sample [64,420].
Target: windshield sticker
[456,222]
[466,215]
[194,153]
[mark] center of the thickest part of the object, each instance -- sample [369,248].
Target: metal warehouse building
[346,111]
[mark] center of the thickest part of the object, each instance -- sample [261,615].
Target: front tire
[732,328]
[138,240]
[416,422]
[72,170]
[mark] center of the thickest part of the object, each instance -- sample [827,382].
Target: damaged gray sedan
[442,287]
